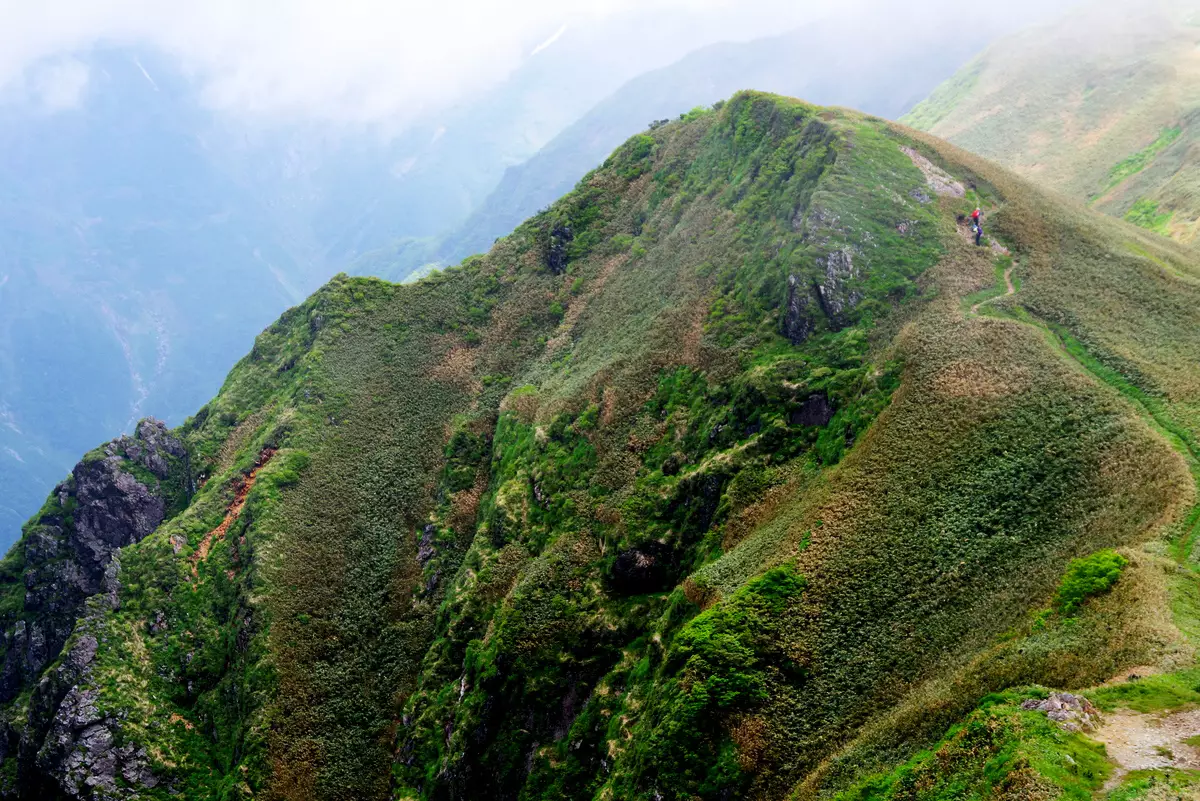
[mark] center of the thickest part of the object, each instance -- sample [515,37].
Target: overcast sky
[340,58]
[367,60]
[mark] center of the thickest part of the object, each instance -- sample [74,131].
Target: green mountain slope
[732,474]
[1101,106]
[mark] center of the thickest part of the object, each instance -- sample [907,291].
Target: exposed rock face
[113,507]
[75,747]
[103,506]
[556,249]
[81,750]
[816,411]
[115,497]
[835,292]
[1071,712]
[643,569]
[797,319]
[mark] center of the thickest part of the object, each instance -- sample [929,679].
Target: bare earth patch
[938,179]
[1136,741]
[234,511]
[457,370]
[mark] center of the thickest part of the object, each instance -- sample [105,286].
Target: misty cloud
[352,60]
[59,85]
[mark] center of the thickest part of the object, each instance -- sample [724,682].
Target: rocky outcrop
[66,746]
[82,750]
[1071,712]
[815,411]
[836,291]
[114,506]
[556,249]
[797,317]
[644,569]
[114,497]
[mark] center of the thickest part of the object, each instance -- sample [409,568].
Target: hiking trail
[1134,741]
[1011,290]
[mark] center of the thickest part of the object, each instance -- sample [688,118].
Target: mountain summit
[739,472]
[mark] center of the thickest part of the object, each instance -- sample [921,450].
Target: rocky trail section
[940,181]
[1137,741]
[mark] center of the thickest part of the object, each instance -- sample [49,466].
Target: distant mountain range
[905,56]
[146,240]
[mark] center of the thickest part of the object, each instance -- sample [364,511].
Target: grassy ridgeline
[576,519]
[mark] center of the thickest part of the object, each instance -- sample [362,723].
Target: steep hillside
[1102,105]
[735,473]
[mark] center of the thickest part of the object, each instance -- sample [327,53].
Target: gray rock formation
[1071,712]
[797,317]
[82,749]
[115,496]
[836,292]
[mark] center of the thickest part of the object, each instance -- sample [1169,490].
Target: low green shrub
[1087,577]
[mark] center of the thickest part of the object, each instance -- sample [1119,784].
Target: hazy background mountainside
[1102,105]
[740,471]
[882,62]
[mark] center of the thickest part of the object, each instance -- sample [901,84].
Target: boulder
[1071,712]
[815,411]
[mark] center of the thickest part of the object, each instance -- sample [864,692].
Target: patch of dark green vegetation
[713,671]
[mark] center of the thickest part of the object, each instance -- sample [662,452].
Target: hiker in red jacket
[977,225]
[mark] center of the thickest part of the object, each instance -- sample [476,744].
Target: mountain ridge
[705,481]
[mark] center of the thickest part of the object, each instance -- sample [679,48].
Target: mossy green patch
[1145,213]
[1151,693]
[1087,577]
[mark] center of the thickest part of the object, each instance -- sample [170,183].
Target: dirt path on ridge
[1012,290]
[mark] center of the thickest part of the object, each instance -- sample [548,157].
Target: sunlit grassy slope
[576,519]
[1102,105]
